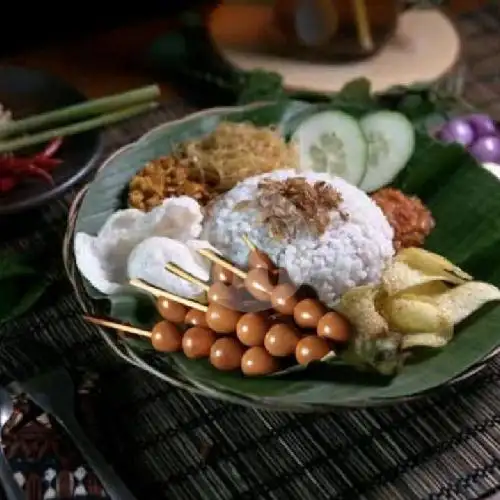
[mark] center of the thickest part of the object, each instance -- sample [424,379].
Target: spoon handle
[110,481]
[12,489]
[53,392]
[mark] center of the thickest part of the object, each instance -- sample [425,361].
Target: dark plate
[27,92]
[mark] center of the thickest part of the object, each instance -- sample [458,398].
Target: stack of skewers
[256,321]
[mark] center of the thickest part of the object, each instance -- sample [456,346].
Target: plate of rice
[292,256]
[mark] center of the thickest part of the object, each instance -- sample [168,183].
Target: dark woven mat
[169,444]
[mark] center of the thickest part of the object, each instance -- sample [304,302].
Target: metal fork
[11,488]
[54,392]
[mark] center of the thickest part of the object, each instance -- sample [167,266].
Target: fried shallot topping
[286,206]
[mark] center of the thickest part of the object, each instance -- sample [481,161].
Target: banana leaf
[463,197]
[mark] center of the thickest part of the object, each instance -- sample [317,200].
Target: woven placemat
[168,444]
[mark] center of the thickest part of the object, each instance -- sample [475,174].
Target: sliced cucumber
[391,141]
[332,142]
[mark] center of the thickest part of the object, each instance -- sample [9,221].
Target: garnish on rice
[286,206]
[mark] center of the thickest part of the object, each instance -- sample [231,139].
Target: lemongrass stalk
[75,128]
[363,25]
[80,111]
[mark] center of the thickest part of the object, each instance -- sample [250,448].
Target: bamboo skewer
[118,326]
[181,273]
[249,243]
[212,256]
[217,293]
[158,292]
[363,25]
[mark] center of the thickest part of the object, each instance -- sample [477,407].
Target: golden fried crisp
[166,177]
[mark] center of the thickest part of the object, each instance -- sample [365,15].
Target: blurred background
[52,22]
[100,47]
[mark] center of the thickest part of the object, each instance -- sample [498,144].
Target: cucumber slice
[332,142]
[391,141]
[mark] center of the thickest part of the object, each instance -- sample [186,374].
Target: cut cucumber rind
[391,142]
[332,142]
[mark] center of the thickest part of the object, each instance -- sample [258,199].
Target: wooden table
[110,62]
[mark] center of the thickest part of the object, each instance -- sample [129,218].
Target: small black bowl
[28,92]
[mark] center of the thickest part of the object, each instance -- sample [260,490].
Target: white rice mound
[350,253]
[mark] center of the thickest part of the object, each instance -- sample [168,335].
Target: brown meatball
[409,217]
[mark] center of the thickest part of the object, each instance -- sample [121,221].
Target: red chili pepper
[13,169]
[17,167]
[52,148]
[47,163]
[7,184]
[6,165]
[12,163]
[39,172]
